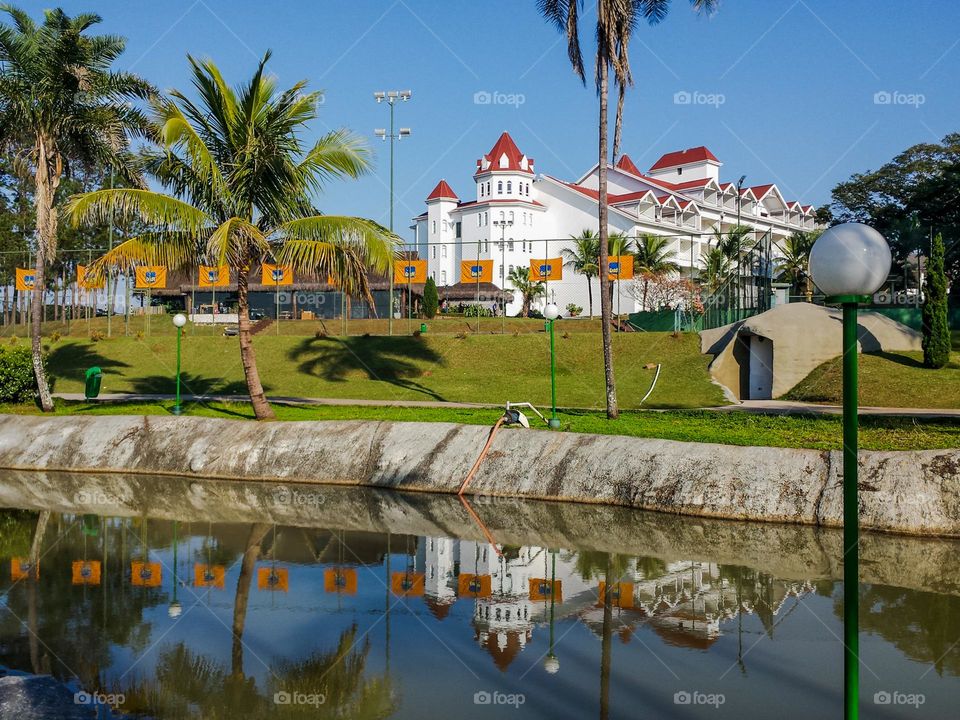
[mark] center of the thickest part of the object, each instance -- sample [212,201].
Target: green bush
[431,300]
[477,311]
[936,330]
[17,383]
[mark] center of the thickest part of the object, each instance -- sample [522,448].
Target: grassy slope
[732,428]
[477,368]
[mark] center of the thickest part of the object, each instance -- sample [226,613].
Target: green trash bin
[423,328]
[92,386]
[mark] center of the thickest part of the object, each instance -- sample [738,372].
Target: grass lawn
[475,368]
[886,379]
[731,428]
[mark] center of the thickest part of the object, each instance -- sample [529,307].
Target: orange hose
[483,454]
[483,528]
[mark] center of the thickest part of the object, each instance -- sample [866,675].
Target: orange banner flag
[547,269]
[209,576]
[26,279]
[620,267]
[213,276]
[273,579]
[87,283]
[477,586]
[409,271]
[541,589]
[340,580]
[151,276]
[621,594]
[476,271]
[85,572]
[145,574]
[407,583]
[276,274]
[20,569]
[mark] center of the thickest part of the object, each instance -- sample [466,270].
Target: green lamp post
[551,312]
[849,263]
[179,320]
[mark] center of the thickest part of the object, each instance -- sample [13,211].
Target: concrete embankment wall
[911,492]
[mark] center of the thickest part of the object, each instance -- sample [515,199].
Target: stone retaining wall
[914,492]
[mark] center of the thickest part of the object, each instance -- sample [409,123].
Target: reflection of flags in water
[20,569]
[270,578]
[546,269]
[409,271]
[620,267]
[151,276]
[86,280]
[542,589]
[621,594]
[477,586]
[476,271]
[213,276]
[340,580]
[407,583]
[209,576]
[85,572]
[145,574]
[276,274]
[26,279]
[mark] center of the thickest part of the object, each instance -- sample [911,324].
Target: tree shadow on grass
[71,361]
[392,360]
[190,384]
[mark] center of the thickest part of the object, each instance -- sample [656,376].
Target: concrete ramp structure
[764,356]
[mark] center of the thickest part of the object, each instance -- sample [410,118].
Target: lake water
[178,599]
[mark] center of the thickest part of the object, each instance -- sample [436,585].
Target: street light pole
[391,97]
[179,320]
[551,312]
[503,225]
[849,263]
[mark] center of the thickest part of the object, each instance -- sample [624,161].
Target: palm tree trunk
[618,125]
[47,180]
[261,408]
[590,296]
[605,298]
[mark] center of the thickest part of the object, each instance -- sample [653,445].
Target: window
[459,227]
[510,244]
[501,216]
[511,268]
[481,189]
[524,246]
[443,277]
[443,251]
[434,226]
[499,187]
[488,187]
[433,274]
[479,219]
[445,226]
[433,252]
[680,171]
[509,187]
[510,217]
[528,189]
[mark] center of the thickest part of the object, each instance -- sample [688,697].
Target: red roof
[683,157]
[761,190]
[690,184]
[625,163]
[442,190]
[505,146]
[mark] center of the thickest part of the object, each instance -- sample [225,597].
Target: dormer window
[679,171]
[504,161]
[499,187]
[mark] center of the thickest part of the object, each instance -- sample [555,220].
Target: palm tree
[240,180]
[584,259]
[60,104]
[653,258]
[616,20]
[530,290]
[734,243]
[796,257]
[716,268]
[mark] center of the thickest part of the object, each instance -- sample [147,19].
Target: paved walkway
[762,407]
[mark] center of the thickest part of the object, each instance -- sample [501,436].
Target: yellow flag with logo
[476,271]
[620,267]
[26,279]
[276,274]
[211,276]
[547,269]
[86,280]
[409,271]
[151,276]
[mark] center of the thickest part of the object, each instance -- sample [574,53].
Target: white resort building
[515,215]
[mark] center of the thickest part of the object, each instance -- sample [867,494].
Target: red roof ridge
[505,146]
[442,191]
[683,157]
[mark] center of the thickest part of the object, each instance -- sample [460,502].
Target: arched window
[528,189]
[501,216]
[509,187]
[510,217]
[481,189]
[443,251]
[499,187]
[488,187]
[510,244]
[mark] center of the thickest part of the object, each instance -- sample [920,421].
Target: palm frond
[372,242]
[235,241]
[162,212]
[172,250]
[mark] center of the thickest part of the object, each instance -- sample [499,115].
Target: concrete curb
[915,492]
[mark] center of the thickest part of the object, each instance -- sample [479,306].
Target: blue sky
[781,91]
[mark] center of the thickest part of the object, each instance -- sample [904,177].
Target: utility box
[92,386]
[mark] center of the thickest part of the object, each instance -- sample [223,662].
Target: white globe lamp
[851,259]
[179,320]
[551,311]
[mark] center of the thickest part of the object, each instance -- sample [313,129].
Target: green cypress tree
[430,299]
[936,329]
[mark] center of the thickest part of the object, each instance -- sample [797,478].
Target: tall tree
[584,259]
[936,328]
[60,102]
[795,261]
[653,258]
[530,290]
[616,21]
[240,180]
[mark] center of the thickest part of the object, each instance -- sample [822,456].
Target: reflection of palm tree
[32,620]
[250,555]
[610,577]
